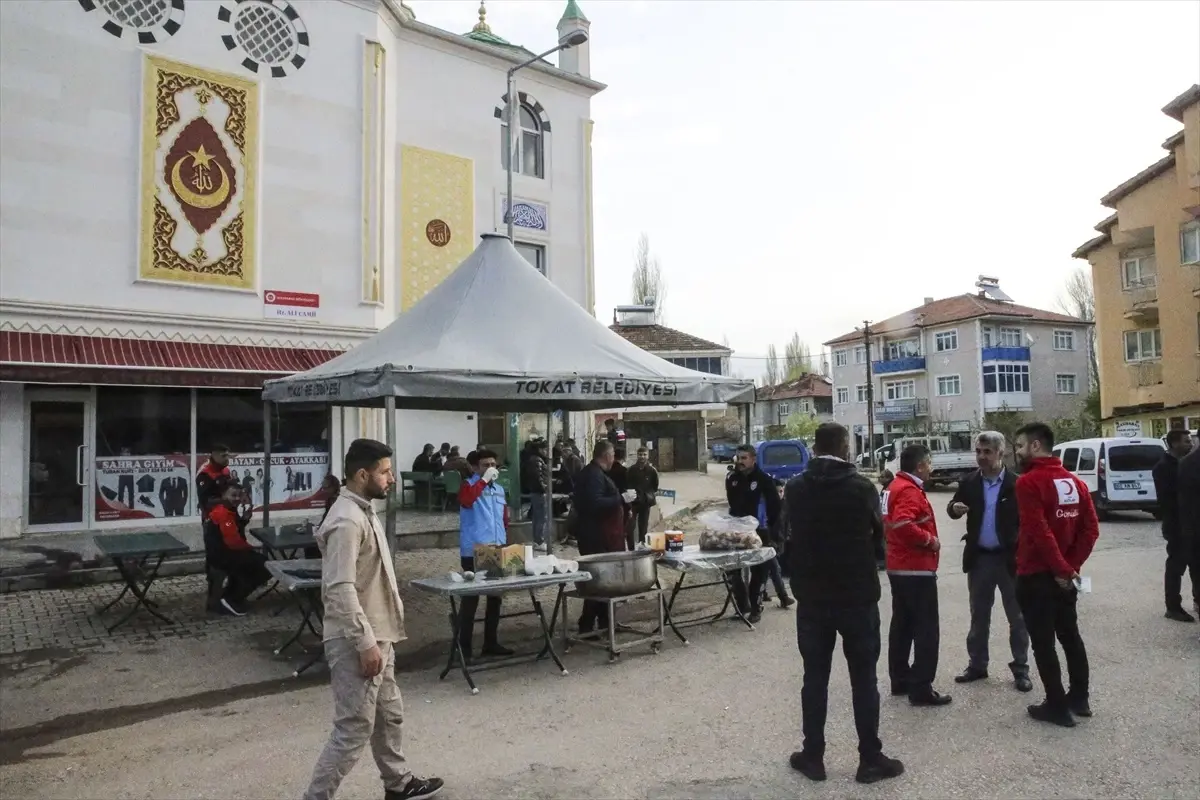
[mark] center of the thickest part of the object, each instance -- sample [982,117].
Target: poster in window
[142,487]
[295,479]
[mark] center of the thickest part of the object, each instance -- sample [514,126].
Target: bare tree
[772,375]
[1078,300]
[648,281]
[797,358]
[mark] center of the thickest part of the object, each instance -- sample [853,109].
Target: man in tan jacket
[364,619]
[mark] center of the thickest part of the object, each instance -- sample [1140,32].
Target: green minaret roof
[573,12]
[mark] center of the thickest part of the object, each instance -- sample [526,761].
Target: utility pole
[870,396]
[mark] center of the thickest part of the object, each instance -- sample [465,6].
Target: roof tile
[660,338]
[807,385]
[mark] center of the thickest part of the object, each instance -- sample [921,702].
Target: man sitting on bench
[227,550]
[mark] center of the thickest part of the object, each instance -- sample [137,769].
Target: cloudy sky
[804,165]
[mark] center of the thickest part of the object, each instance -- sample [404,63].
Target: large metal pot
[617,574]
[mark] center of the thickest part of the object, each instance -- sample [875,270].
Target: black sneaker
[1079,706]
[755,617]
[786,602]
[1179,615]
[417,789]
[878,768]
[970,675]
[810,765]
[1023,683]
[1056,716]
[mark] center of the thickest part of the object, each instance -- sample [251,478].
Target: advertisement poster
[295,479]
[142,487]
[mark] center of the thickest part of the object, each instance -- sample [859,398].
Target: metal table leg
[130,573]
[456,650]
[318,609]
[546,629]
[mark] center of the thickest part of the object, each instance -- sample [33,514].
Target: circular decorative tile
[149,20]
[269,33]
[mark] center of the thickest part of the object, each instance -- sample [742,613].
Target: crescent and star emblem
[202,179]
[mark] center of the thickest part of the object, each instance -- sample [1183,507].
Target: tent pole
[746,417]
[389,426]
[266,514]
[549,496]
[514,465]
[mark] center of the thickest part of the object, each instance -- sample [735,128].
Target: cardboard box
[500,562]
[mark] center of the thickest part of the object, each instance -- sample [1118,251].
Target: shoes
[145,501]
[878,768]
[899,688]
[232,608]
[810,765]
[1056,716]
[417,789]
[970,675]
[495,649]
[786,602]
[755,616]
[1023,683]
[929,698]
[1079,706]
[1179,615]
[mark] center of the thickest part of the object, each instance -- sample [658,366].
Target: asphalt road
[716,719]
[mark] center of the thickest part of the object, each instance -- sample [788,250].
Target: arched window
[528,142]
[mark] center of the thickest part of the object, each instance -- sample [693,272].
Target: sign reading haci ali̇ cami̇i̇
[290,305]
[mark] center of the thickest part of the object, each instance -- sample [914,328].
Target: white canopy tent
[496,335]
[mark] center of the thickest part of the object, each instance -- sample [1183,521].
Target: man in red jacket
[227,549]
[912,562]
[1058,531]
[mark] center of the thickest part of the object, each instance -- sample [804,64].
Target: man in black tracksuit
[1189,516]
[836,542]
[751,493]
[1166,487]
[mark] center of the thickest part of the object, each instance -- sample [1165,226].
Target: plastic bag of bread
[729,540]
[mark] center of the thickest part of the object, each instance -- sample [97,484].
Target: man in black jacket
[1166,488]
[988,498]
[751,493]
[836,542]
[643,478]
[600,527]
[1189,516]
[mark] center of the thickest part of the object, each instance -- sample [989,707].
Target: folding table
[301,578]
[724,562]
[130,554]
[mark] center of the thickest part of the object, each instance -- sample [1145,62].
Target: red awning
[64,358]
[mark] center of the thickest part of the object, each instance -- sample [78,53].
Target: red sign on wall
[290,305]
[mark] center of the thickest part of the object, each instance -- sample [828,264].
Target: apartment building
[773,405]
[1146,273]
[945,364]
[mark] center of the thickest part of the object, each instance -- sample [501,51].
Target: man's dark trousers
[1049,612]
[817,630]
[914,630]
[1179,553]
[988,574]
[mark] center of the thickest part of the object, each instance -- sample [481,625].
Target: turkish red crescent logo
[1070,488]
[270,298]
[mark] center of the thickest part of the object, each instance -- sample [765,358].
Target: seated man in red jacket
[227,549]
[912,562]
[1058,531]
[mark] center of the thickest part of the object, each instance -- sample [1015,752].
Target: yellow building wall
[1154,423]
[434,188]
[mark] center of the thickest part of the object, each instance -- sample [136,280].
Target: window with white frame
[1189,245]
[1065,383]
[528,144]
[535,254]
[841,358]
[948,385]
[1064,340]
[1009,337]
[906,348]
[1005,378]
[783,409]
[860,392]
[1143,345]
[843,395]
[1138,272]
[900,390]
[860,354]
[989,334]
[944,341]
[806,406]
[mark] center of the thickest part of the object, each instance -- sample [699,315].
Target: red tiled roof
[807,385]
[661,339]
[78,355]
[957,309]
[1137,181]
[1183,102]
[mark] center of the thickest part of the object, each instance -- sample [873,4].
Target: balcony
[894,366]
[1193,273]
[1141,300]
[1145,373]
[901,410]
[1007,401]
[1004,354]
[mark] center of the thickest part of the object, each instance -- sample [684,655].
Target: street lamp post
[512,113]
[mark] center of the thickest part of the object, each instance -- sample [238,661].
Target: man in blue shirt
[483,519]
[988,499]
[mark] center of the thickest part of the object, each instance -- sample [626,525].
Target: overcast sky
[803,165]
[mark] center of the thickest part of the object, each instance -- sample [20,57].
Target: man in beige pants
[364,619]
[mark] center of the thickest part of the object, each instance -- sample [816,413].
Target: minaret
[574,59]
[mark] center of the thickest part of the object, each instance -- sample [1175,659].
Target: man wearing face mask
[912,562]
[364,619]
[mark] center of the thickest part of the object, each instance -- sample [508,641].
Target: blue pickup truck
[782,459]
[723,452]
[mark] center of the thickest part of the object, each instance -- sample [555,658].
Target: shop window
[143,453]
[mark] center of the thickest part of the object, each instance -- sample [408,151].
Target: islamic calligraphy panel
[199,176]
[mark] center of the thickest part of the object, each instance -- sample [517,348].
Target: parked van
[1116,471]
[782,459]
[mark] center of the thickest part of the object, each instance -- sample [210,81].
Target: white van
[1116,471]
